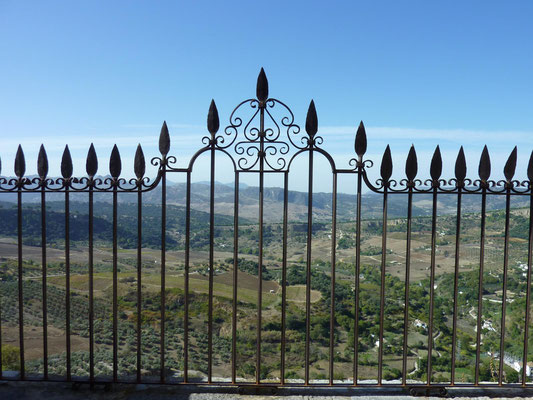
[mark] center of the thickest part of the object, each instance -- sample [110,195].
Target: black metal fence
[264,145]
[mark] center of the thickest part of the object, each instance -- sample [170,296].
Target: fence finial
[360,141]
[484,165]
[164,140]
[91,165]
[311,122]
[139,164]
[262,86]
[530,168]
[386,165]
[460,166]
[20,163]
[115,164]
[435,169]
[42,163]
[510,166]
[411,165]
[66,164]
[213,122]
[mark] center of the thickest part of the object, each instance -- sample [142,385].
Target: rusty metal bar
[235,280]
[163,263]
[332,303]
[186,280]
[115,287]
[139,279]
[382,284]
[407,278]
[308,269]
[20,279]
[261,155]
[528,290]
[480,289]
[360,171]
[211,267]
[1,366]
[284,274]
[504,288]
[91,286]
[67,282]
[455,283]
[44,301]
[432,283]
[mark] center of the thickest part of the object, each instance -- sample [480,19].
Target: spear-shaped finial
[213,122]
[510,166]
[66,164]
[435,169]
[262,86]
[42,163]
[115,164]
[411,165]
[20,163]
[386,165]
[164,140]
[484,165]
[91,165]
[311,122]
[460,166]
[139,164]
[360,141]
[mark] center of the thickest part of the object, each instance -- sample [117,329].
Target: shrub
[10,358]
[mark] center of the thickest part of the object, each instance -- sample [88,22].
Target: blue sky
[427,73]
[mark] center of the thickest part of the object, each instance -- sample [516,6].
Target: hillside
[298,202]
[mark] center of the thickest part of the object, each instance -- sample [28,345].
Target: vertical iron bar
[139,277]
[528,290]
[91,288]
[333,249]
[432,282]
[186,281]
[284,273]
[163,264]
[480,289]
[308,272]
[382,286]
[115,287]
[360,171]
[43,257]
[211,267]
[20,276]
[260,263]
[235,278]
[504,289]
[67,279]
[407,278]
[456,282]
[1,366]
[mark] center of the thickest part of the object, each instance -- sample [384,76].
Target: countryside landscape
[247,291]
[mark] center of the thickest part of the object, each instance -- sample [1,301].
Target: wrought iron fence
[262,144]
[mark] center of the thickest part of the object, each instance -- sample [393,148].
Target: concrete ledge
[15,390]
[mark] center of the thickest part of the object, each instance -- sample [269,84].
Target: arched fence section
[262,138]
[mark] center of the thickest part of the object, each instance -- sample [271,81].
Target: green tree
[10,358]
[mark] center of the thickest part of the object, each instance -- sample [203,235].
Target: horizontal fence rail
[263,144]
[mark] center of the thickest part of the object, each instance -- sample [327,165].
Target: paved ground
[62,391]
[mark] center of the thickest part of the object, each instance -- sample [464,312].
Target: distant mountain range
[372,203]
